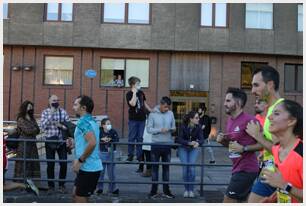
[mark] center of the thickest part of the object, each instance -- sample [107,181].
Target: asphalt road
[134,192]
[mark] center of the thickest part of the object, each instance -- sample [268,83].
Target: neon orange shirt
[291,167]
[261,119]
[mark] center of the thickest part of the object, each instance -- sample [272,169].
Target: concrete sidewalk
[137,193]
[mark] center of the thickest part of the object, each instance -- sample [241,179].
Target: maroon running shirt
[247,162]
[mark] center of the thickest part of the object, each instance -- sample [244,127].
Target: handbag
[13,145]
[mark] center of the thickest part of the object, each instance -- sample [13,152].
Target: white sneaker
[191,194]
[186,194]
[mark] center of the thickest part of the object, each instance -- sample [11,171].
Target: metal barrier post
[24,161]
[112,166]
[202,172]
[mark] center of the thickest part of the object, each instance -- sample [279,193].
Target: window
[59,12]
[138,68]
[247,69]
[138,13]
[111,70]
[259,16]
[293,77]
[214,15]
[116,72]
[114,12]
[300,17]
[133,13]
[5,10]
[58,70]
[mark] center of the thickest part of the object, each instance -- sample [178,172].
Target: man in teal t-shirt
[87,164]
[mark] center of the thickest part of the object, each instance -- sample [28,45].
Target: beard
[230,110]
[265,94]
[257,111]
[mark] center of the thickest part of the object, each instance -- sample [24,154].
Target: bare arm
[265,143]
[148,107]
[297,193]
[132,102]
[275,179]
[253,129]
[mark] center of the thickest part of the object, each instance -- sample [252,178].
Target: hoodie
[158,120]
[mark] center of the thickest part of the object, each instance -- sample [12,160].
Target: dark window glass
[293,78]
[247,69]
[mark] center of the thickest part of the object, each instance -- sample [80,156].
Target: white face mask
[108,127]
[138,87]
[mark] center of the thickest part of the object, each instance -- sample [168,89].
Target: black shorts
[85,183]
[4,172]
[240,185]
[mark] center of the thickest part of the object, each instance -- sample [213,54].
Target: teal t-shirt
[87,124]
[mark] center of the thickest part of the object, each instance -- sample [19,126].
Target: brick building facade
[190,63]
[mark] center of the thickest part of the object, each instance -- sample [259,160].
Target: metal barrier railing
[113,162]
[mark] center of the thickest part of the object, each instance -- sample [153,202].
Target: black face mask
[31,112]
[55,105]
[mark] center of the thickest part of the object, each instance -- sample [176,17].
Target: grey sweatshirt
[157,121]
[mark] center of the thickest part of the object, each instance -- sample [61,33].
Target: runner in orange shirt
[287,126]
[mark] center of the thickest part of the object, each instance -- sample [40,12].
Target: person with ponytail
[190,137]
[287,128]
[28,129]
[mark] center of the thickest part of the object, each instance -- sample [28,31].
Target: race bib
[283,197]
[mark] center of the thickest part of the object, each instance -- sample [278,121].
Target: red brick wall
[28,85]
[225,71]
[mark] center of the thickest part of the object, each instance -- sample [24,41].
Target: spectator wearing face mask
[27,129]
[138,107]
[107,135]
[51,123]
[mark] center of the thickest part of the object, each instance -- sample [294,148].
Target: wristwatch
[288,187]
[245,149]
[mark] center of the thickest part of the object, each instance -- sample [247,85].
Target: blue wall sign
[90,73]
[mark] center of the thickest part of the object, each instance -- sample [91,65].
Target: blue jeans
[188,155]
[163,152]
[106,156]
[136,129]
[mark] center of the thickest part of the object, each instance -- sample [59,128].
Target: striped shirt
[48,122]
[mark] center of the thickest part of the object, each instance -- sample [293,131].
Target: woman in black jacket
[190,138]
